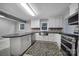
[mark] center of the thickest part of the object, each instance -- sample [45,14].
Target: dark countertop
[70,34]
[16,35]
[29,33]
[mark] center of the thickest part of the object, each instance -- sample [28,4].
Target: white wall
[6,27]
[68,28]
[27,27]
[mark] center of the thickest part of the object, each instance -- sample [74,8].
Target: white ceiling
[43,9]
[50,9]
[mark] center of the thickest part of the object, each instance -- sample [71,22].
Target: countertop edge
[29,33]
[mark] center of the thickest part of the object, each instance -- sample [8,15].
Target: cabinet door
[55,23]
[35,23]
[58,23]
[52,23]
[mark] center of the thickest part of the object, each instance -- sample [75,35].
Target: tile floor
[43,48]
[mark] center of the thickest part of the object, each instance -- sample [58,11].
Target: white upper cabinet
[73,8]
[60,23]
[55,23]
[52,23]
[35,23]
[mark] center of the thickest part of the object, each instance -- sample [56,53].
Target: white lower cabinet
[19,45]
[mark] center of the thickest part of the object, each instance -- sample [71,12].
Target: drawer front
[65,50]
[67,44]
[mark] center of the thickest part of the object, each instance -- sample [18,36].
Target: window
[22,26]
[44,26]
